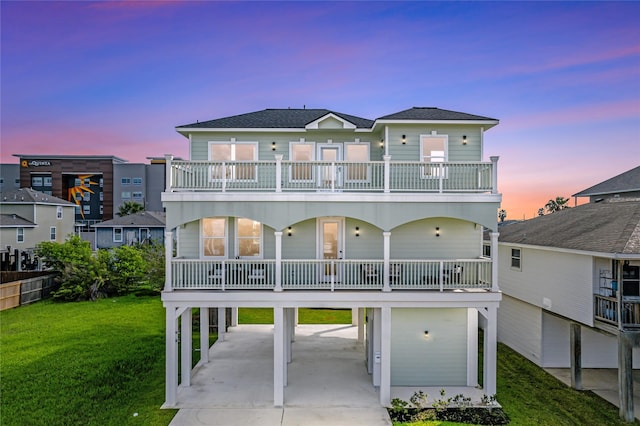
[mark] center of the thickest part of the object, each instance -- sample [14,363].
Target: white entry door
[329,173]
[330,247]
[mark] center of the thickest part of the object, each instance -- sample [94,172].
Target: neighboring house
[135,228]
[625,185]
[28,217]
[571,288]
[289,208]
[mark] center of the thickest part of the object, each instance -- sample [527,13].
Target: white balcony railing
[240,274]
[340,176]
[606,310]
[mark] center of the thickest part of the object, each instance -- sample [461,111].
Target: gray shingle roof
[14,221]
[433,114]
[29,196]
[606,227]
[145,219]
[276,119]
[628,181]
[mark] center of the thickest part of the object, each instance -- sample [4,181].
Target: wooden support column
[171,358]
[625,376]
[185,347]
[204,335]
[575,336]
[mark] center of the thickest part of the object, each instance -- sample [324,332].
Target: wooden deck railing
[240,274]
[340,176]
[606,310]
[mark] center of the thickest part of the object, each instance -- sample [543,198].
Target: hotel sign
[35,163]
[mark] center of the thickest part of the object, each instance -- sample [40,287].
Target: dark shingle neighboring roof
[14,221]
[628,181]
[29,196]
[433,114]
[145,219]
[276,119]
[606,227]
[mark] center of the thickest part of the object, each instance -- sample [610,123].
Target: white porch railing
[606,310]
[438,275]
[340,176]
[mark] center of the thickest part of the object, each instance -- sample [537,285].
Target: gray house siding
[104,236]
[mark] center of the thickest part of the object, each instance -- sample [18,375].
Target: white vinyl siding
[520,328]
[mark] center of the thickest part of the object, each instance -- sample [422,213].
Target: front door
[330,173]
[330,249]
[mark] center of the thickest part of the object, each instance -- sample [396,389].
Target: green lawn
[100,363]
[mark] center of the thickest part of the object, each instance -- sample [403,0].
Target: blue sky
[117,77]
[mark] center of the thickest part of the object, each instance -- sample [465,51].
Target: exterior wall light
[357,231]
[382,143]
[289,231]
[426,334]
[404,139]
[464,139]
[437,231]
[273,146]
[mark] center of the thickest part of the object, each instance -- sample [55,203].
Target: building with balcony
[290,208]
[571,288]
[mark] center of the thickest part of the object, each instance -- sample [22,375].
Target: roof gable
[140,219]
[14,221]
[330,121]
[433,114]
[29,196]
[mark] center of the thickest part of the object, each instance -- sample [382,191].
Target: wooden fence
[22,288]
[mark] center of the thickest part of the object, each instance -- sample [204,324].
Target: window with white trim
[233,152]
[301,152]
[434,150]
[125,181]
[357,153]
[137,181]
[248,238]
[36,181]
[137,195]
[47,181]
[516,259]
[214,236]
[59,212]
[86,208]
[20,235]
[117,235]
[125,195]
[52,233]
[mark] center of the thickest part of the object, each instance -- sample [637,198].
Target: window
[20,235]
[36,181]
[17,182]
[241,151]
[302,152]
[214,236]
[486,250]
[77,182]
[77,209]
[101,196]
[434,150]
[125,181]
[59,212]
[117,235]
[137,181]
[86,209]
[516,259]
[125,195]
[52,233]
[47,181]
[101,182]
[48,192]
[86,196]
[101,209]
[137,195]
[248,238]
[357,153]
[87,182]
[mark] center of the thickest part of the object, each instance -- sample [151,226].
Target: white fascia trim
[345,124]
[330,197]
[489,123]
[630,256]
[186,132]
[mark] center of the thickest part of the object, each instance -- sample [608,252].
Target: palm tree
[560,203]
[540,211]
[129,207]
[502,214]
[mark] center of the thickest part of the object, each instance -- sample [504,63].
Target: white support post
[387,170]
[204,335]
[354,316]
[494,261]
[234,317]
[472,347]
[278,173]
[494,174]
[377,350]
[386,250]
[168,254]
[385,357]
[168,173]
[490,351]
[222,323]
[185,347]
[278,357]
[278,283]
[171,360]
[361,325]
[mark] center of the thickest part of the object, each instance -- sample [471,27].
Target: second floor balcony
[332,176]
[621,315]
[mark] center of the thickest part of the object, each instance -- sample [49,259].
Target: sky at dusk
[115,78]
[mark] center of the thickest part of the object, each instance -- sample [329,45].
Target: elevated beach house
[290,208]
